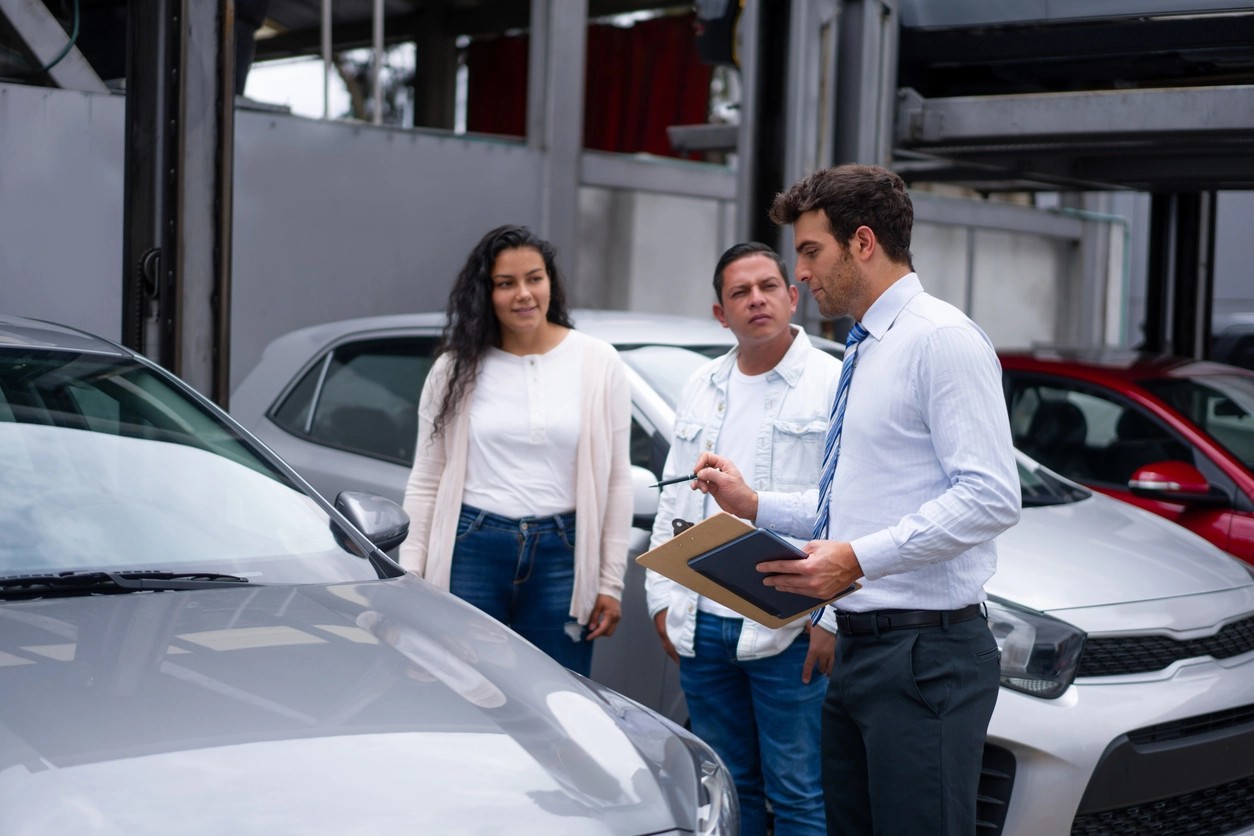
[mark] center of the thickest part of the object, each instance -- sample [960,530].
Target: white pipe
[376,81]
[327,65]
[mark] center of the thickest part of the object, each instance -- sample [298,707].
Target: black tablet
[733,566]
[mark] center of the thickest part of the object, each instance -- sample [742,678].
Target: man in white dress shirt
[925,479]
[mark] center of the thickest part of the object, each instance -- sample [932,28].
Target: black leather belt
[878,621]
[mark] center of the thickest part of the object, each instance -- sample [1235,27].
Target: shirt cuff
[876,554]
[785,513]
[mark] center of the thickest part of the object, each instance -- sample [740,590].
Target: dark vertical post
[1193,290]
[1180,283]
[178,187]
[771,122]
[1160,272]
[151,177]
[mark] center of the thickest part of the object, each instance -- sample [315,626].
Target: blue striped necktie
[831,450]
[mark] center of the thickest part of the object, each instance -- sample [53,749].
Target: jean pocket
[467,522]
[566,534]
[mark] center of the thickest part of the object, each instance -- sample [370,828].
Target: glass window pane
[369,399]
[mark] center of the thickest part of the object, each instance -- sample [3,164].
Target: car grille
[997,779]
[1209,812]
[1202,724]
[1139,654]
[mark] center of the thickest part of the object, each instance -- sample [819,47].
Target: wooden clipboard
[672,560]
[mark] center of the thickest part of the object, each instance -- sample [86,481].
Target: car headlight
[718,810]
[1039,654]
[698,786]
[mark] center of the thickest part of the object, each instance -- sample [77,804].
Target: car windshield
[1041,487]
[666,369]
[109,466]
[1222,405]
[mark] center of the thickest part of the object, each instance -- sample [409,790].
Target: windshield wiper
[88,583]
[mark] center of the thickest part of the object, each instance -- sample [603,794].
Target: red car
[1172,435]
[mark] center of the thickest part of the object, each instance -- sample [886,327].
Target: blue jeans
[763,722]
[522,573]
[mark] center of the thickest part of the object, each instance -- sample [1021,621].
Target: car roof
[1112,364]
[621,328]
[1235,320]
[35,333]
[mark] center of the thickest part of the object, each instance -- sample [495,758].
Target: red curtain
[496,86]
[638,80]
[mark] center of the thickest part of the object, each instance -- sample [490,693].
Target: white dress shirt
[926,477]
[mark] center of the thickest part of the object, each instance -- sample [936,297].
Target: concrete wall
[336,220]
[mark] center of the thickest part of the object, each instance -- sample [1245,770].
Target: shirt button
[709,445]
[720,406]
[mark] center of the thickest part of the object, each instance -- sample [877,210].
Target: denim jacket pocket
[687,430]
[797,456]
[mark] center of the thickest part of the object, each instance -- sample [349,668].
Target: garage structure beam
[178,165]
[1153,140]
[1180,280]
[50,45]
[555,117]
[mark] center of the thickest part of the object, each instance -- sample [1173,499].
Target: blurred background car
[1127,641]
[192,641]
[1170,435]
[1232,339]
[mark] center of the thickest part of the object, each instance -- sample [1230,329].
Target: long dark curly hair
[471,327]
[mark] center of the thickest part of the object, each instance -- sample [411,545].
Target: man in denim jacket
[750,690]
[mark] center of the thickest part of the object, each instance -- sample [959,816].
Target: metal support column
[866,96]
[435,82]
[555,113]
[178,188]
[1180,281]
[811,110]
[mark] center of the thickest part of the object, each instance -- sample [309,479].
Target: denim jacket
[789,457]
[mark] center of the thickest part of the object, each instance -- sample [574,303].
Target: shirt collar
[790,366]
[884,310]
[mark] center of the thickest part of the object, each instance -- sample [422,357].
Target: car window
[665,368]
[109,465]
[1221,405]
[1039,487]
[362,397]
[1086,434]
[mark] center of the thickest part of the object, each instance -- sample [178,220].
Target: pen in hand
[676,480]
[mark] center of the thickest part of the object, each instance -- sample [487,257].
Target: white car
[1127,699]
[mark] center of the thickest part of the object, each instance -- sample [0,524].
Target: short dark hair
[851,196]
[744,250]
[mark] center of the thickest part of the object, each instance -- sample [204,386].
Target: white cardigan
[603,494]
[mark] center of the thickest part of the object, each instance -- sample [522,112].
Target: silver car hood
[354,708]
[1115,554]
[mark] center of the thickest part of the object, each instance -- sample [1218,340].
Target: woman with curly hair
[520,494]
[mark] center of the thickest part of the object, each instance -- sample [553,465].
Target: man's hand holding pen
[831,565]
[720,479]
